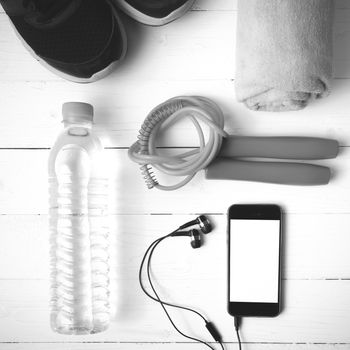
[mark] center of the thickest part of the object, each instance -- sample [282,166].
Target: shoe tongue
[41,13]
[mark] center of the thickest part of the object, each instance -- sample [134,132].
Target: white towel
[283,53]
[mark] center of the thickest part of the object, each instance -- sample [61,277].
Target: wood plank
[23,189]
[226,5]
[187,49]
[218,5]
[167,52]
[166,346]
[120,110]
[315,247]
[314,312]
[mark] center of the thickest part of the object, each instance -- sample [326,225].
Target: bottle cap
[77,112]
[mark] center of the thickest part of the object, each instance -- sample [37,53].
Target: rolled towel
[283,52]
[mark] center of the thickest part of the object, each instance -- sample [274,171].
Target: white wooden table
[194,55]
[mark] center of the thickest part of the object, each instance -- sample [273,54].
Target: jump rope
[223,157]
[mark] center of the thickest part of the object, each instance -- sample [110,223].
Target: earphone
[204,225]
[196,241]
[202,221]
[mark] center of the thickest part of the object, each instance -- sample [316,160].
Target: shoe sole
[149,20]
[97,76]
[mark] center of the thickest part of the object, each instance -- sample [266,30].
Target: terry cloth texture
[283,53]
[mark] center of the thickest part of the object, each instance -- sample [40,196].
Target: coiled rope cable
[145,152]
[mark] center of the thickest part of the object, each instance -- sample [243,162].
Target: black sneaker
[79,40]
[154,12]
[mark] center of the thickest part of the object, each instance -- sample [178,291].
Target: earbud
[202,221]
[196,241]
[204,224]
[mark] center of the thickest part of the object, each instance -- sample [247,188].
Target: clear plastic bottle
[78,226]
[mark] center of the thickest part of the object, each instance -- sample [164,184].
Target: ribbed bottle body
[78,237]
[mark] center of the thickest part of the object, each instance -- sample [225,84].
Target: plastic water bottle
[78,226]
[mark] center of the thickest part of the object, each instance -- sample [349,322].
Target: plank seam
[123,148]
[174,342]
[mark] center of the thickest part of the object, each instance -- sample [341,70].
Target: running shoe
[79,40]
[154,12]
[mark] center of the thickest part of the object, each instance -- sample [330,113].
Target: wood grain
[167,346]
[198,55]
[27,194]
[315,247]
[195,55]
[121,109]
[315,311]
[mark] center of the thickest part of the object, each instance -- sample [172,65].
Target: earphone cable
[237,321]
[152,297]
[239,340]
[209,325]
[160,301]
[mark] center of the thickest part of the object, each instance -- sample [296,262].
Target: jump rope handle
[279,147]
[271,172]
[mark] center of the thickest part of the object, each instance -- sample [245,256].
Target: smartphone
[254,260]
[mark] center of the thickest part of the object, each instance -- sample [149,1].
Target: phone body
[254,260]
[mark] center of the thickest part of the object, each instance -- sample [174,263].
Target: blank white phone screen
[254,260]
